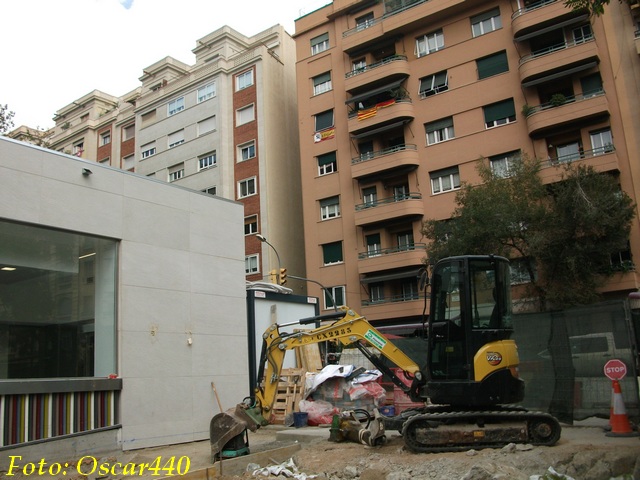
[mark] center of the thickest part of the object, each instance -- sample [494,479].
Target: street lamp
[264,240]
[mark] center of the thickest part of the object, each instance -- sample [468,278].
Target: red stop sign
[615,369]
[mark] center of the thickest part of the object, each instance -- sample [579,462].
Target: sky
[56,51]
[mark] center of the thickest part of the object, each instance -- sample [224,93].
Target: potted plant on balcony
[557,99]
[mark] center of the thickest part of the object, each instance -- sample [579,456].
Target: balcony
[391,258]
[397,306]
[565,112]
[392,158]
[388,69]
[390,111]
[558,61]
[603,159]
[539,17]
[391,208]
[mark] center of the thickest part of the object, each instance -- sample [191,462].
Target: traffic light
[273,276]
[282,278]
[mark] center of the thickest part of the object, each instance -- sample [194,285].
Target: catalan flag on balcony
[367,113]
[324,135]
[386,103]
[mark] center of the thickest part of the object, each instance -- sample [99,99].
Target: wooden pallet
[290,392]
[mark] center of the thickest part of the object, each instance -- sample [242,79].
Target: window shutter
[332,252]
[326,159]
[325,77]
[499,110]
[492,65]
[439,124]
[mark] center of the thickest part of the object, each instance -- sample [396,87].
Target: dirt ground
[583,453]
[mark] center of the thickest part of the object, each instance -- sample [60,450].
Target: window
[78,148]
[445,180]
[176,138]
[175,106]
[364,21]
[128,132]
[591,85]
[128,162]
[492,65]
[359,64]
[332,253]
[247,187]
[72,291]
[247,151]
[251,264]
[330,208]
[211,190]
[439,131]
[207,125]
[502,165]
[429,43]
[319,44]
[105,160]
[369,196]
[207,161]
[324,120]
[568,152]
[405,240]
[601,142]
[244,115]
[374,246]
[327,163]
[410,290]
[251,225]
[366,149]
[244,80]
[400,192]
[486,22]
[176,172]
[148,150]
[105,138]
[206,92]
[334,297]
[499,113]
[519,271]
[583,33]
[322,83]
[148,118]
[433,84]
[376,292]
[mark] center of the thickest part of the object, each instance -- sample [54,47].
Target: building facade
[121,299]
[226,125]
[399,99]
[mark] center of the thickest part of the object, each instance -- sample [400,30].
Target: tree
[562,234]
[6,119]
[594,7]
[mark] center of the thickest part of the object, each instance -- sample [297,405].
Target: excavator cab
[472,361]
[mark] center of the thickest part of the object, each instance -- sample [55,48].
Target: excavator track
[442,431]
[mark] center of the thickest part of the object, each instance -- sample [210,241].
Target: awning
[375,91]
[374,131]
[391,276]
[563,73]
[550,28]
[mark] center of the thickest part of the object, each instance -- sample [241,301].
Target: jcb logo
[494,358]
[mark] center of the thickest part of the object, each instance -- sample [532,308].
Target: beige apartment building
[226,125]
[399,99]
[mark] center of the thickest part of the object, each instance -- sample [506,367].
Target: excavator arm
[348,328]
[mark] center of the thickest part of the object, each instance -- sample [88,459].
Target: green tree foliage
[564,233]
[6,119]
[594,7]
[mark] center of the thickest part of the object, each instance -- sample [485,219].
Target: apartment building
[226,125]
[398,99]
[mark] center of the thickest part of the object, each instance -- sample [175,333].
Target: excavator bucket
[227,426]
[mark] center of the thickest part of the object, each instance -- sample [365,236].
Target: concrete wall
[181,286]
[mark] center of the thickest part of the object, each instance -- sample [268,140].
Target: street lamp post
[263,239]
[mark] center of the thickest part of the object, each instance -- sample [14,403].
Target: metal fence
[562,358]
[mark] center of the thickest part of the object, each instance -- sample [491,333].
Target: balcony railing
[582,154]
[362,26]
[531,7]
[364,157]
[368,68]
[393,7]
[388,251]
[364,113]
[388,200]
[393,299]
[555,48]
[559,101]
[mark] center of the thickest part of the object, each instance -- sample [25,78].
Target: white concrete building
[122,298]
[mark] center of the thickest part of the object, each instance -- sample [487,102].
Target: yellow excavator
[469,383]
